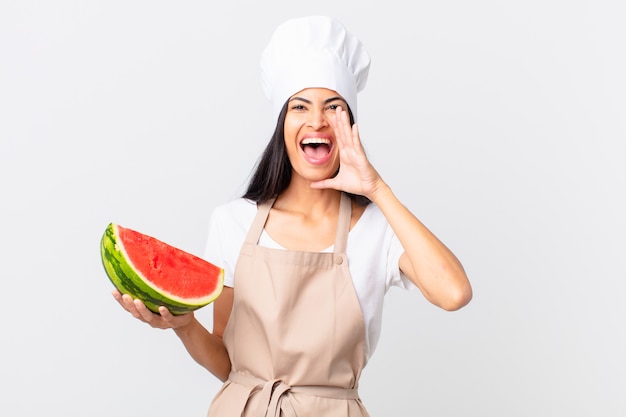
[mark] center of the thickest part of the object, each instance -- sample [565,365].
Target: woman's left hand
[432,267]
[356,174]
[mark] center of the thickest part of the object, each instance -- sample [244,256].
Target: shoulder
[372,217]
[228,225]
[235,216]
[371,236]
[234,208]
[371,232]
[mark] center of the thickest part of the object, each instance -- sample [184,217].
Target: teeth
[311,141]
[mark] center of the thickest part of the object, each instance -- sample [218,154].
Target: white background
[500,124]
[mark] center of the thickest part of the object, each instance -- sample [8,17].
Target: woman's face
[309,138]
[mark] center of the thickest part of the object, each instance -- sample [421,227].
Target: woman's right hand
[165,320]
[204,347]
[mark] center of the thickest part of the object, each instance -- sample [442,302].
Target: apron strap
[343,223]
[263,211]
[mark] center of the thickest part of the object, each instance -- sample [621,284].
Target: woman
[311,248]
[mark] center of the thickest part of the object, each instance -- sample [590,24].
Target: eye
[298,107]
[333,107]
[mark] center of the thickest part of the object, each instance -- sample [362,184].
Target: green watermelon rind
[129,281]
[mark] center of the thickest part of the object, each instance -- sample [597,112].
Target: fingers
[347,135]
[173,322]
[126,301]
[329,183]
[341,126]
[118,296]
[167,316]
[130,305]
[139,311]
[145,314]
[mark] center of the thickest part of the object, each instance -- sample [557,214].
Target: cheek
[290,133]
[291,149]
[289,129]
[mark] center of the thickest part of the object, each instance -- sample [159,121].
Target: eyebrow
[328,100]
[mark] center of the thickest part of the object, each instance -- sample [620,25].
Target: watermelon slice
[157,273]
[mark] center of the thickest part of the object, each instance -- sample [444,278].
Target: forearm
[427,262]
[205,348]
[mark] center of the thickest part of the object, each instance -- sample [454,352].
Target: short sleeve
[395,277]
[228,226]
[215,250]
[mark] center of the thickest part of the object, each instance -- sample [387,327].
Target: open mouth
[316,149]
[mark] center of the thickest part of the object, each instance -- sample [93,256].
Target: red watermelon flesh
[167,268]
[158,273]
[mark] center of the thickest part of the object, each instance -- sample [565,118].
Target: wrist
[380,192]
[185,328]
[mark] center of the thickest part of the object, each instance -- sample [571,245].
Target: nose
[317,119]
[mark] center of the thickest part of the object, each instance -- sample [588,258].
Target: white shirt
[373,252]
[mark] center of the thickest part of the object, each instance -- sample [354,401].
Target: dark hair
[272,173]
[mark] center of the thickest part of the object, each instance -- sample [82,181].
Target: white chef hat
[313,52]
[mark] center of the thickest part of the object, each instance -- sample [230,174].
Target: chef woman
[311,248]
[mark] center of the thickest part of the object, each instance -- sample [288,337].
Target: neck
[304,199]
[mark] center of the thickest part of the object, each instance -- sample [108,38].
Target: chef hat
[313,52]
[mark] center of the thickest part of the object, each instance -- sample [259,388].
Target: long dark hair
[272,173]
